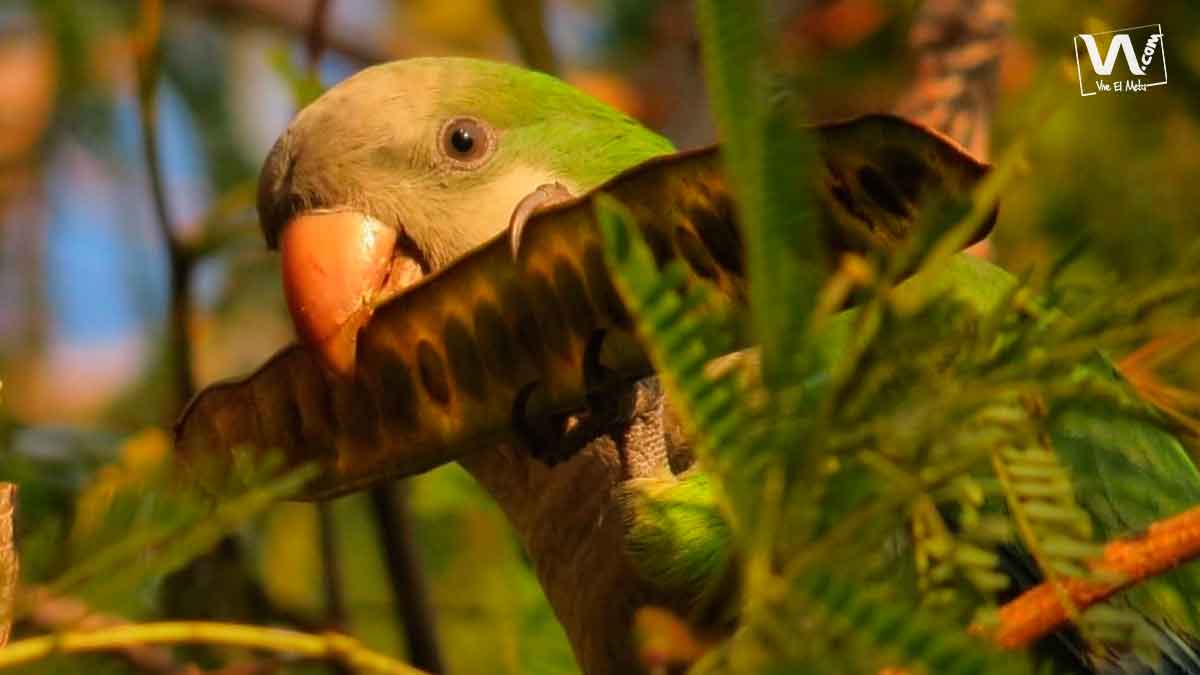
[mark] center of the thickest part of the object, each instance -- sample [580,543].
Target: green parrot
[403,169]
[419,192]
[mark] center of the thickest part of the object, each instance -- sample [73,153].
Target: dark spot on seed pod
[464,359]
[356,417]
[881,192]
[289,422]
[433,373]
[388,382]
[315,398]
[548,314]
[608,302]
[717,227]
[908,173]
[495,343]
[573,296]
[315,408]
[660,247]
[516,302]
[843,197]
[693,251]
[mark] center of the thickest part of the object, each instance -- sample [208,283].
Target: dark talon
[543,438]
[542,195]
[554,439]
[609,398]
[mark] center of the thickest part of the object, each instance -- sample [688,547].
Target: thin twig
[331,575]
[181,258]
[330,646]
[526,21]
[315,40]
[149,62]
[389,505]
[331,569]
[285,16]
[10,563]
[60,612]
[1124,563]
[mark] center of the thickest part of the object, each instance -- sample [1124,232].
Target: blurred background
[87,355]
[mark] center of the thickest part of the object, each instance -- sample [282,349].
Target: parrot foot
[544,195]
[559,437]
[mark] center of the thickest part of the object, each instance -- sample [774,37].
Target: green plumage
[679,541]
[545,120]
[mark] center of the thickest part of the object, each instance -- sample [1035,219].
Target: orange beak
[337,267]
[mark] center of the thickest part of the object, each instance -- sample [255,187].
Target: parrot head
[404,167]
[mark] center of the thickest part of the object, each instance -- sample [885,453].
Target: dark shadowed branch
[389,504]
[295,19]
[180,260]
[317,33]
[526,21]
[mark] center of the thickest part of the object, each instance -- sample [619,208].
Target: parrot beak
[337,267]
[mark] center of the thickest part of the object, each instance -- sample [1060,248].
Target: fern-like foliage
[957,437]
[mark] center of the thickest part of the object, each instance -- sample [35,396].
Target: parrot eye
[466,141]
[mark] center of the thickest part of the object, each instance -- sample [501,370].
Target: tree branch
[526,20]
[180,261]
[315,40]
[330,646]
[389,505]
[10,563]
[331,573]
[1124,563]
[56,612]
[283,16]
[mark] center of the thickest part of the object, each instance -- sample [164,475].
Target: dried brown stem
[10,565]
[1124,563]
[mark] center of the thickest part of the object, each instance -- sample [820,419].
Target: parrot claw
[559,437]
[545,439]
[544,195]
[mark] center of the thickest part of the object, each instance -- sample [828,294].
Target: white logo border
[1162,47]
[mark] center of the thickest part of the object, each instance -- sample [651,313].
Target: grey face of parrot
[375,185]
